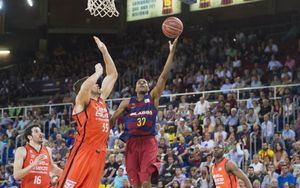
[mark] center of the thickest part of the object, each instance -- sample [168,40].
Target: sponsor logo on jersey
[146,112]
[101,113]
[69,184]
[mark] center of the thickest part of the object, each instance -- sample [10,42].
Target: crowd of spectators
[189,126]
[202,63]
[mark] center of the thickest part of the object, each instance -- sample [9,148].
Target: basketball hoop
[102,8]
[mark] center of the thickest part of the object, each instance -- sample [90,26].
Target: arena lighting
[1,4]
[30,3]
[4,52]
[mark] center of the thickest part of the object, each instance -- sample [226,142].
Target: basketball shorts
[142,163]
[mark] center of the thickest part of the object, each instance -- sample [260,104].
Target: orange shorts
[84,168]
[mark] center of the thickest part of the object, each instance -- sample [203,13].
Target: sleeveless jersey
[222,178]
[139,118]
[39,176]
[93,125]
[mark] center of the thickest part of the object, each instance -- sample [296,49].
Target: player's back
[93,125]
[39,176]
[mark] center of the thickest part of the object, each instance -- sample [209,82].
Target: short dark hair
[78,83]
[28,131]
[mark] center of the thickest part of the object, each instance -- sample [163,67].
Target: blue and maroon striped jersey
[139,118]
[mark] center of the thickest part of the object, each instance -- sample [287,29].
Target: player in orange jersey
[86,161]
[225,172]
[33,162]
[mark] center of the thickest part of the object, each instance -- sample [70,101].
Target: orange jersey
[222,178]
[39,176]
[93,125]
[86,161]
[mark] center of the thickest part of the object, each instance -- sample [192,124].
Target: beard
[143,92]
[218,156]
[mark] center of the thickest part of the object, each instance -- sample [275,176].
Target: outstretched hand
[99,68]
[100,44]
[172,46]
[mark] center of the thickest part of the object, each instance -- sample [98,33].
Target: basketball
[172,27]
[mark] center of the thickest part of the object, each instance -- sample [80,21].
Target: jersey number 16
[37,180]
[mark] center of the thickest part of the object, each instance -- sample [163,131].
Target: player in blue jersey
[140,129]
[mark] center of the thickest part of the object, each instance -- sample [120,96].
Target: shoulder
[230,165]
[125,102]
[21,151]
[48,149]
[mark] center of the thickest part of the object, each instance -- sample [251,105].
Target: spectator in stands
[236,153]
[233,118]
[207,145]
[271,174]
[255,81]
[220,133]
[118,180]
[266,152]
[170,113]
[209,119]
[265,108]
[276,81]
[274,64]
[251,117]
[226,86]
[289,62]
[258,167]
[267,128]
[63,150]
[256,184]
[168,169]
[201,106]
[297,128]
[280,155]
[230,99]
[286,176]
[256,106]
[182,126]
[271,48]
[110,170]
[179,177]
[23,122]
[5,120]
[277,139]
[288,135]
[288,110]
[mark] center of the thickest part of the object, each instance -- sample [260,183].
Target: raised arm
[110,69]
[232,168]
[84,94]
[20,155]
[122,107]
[158,89]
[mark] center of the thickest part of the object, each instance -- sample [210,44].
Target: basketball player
[225,172]
[139,134]
[33,162]
[86,161]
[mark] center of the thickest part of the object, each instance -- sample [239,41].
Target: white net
[102,8]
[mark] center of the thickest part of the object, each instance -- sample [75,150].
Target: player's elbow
[115,75]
